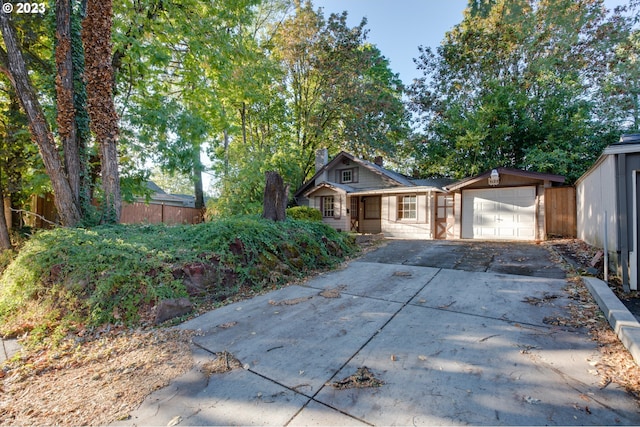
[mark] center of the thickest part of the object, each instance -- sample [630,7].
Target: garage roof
[505,171]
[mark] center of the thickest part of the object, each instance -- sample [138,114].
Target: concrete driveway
[450,346]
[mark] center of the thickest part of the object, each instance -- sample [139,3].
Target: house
[357,195]
[607,206]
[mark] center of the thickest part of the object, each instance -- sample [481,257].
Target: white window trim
[400,202]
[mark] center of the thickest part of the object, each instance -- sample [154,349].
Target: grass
[71,279]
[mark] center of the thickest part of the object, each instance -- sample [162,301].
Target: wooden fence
[132,213]
[560,211]
[138,213]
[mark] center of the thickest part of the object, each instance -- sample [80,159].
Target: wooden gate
[560,211]
[445,219]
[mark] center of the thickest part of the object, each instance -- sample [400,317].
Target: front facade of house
[356,195]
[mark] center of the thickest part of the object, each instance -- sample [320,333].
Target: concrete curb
[620,318]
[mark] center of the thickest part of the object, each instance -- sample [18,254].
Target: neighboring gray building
[607,203]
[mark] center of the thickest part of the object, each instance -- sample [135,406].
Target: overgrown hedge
[67,278]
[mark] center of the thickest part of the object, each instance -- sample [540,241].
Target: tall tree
[182,57]
[96,37]
[14,66]
[340,91]
[510,86]
[66,117]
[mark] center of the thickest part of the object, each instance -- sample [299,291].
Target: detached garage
[501,204]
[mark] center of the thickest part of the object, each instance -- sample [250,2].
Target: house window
[407,207]
[372,208]
[327,207]
[347,176]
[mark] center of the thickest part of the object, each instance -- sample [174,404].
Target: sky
[398,27]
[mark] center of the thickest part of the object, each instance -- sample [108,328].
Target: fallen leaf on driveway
[293,301]
[531,400]
[361,379]
[333,292]
[402,274]
[225,362]
[227,325]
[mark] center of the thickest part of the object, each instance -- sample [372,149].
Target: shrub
[66,278]
[304,213]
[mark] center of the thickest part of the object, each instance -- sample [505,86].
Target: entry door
[355,214]
[445,219]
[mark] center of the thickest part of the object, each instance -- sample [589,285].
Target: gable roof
[158,195]
[386,174]
[506,171]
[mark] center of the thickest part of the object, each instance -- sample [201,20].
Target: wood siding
[595,194]
[418,228]
[560,211]
[340,220]
[142,213]
[365,179]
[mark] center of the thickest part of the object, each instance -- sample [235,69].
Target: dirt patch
[92,383]
[363,378]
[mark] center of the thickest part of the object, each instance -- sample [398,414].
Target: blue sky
[398,27]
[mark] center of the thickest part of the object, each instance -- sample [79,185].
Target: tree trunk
[64,201]
[96,38]
[197,178]
[65,97]
[276,195]
[5,240]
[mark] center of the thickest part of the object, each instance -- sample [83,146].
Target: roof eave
[506,171]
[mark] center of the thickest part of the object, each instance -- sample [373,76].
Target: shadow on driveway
[525,259]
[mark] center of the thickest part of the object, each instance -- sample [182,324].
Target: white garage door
[499,213]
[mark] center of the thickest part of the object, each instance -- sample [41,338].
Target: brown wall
[560,211]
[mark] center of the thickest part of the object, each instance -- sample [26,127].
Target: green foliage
[340,91]
[66,278]
[304,213]
[518,84]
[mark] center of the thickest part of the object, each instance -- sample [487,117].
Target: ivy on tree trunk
[16,70]
[65,96]
[96,38]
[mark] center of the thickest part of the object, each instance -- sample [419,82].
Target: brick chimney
[378,161]
[322,157]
